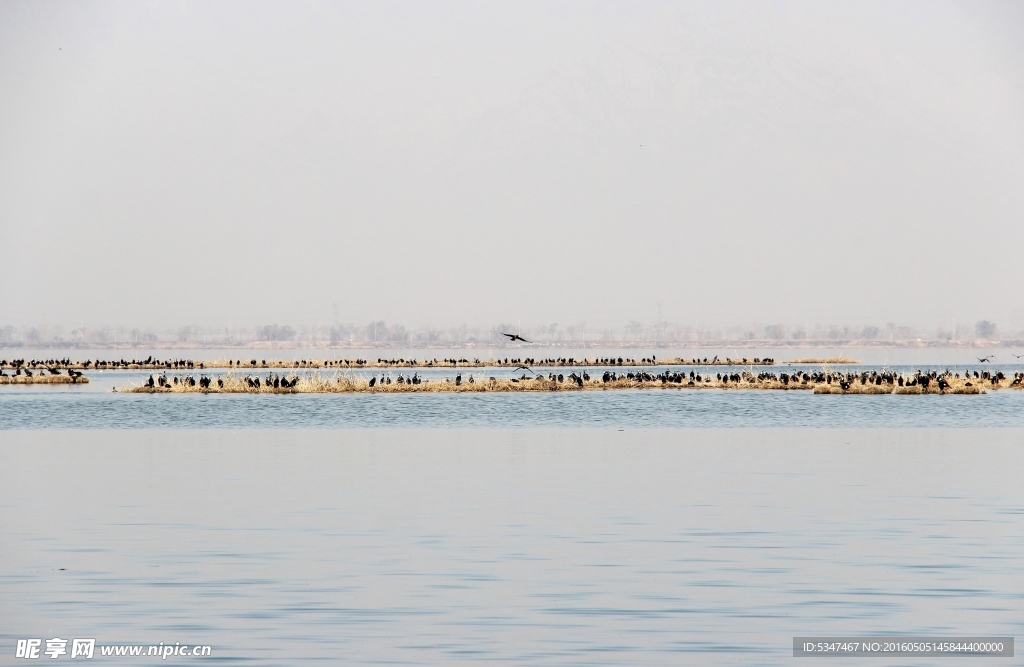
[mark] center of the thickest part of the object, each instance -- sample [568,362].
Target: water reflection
[526,546]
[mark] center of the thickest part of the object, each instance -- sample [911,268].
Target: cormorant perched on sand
[514,337]
[373,380]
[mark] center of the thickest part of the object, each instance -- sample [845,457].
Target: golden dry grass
[318,383]
[830,360]
[42,379]
[856,388]
[345,382]
[934,389]
[956,386]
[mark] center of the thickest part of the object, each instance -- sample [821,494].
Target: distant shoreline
[533,346]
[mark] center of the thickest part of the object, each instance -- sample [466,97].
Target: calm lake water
[96,405]
[597,528]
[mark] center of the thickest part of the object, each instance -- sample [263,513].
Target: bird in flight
[1018,355]
[524,368]
[986,359]
[514,337]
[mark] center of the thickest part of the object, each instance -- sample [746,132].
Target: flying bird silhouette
[514,337]
[986,359]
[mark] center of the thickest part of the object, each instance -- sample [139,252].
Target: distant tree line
[381,333]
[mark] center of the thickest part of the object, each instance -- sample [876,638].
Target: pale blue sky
[168,163]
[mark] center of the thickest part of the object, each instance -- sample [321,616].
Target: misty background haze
[709,165]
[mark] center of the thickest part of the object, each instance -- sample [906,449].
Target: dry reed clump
[855,388]
[317,383]
[340,383]
[950,385]
[745,383]
[43,379]
[346,382]
[933,389]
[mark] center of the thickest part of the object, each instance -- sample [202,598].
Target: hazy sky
[440,163]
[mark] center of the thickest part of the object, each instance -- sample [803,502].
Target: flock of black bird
[29,369]
[188,381]
[205,382]
[414,379]
[151,363]
[101,364]
[275,381]
[678,377]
